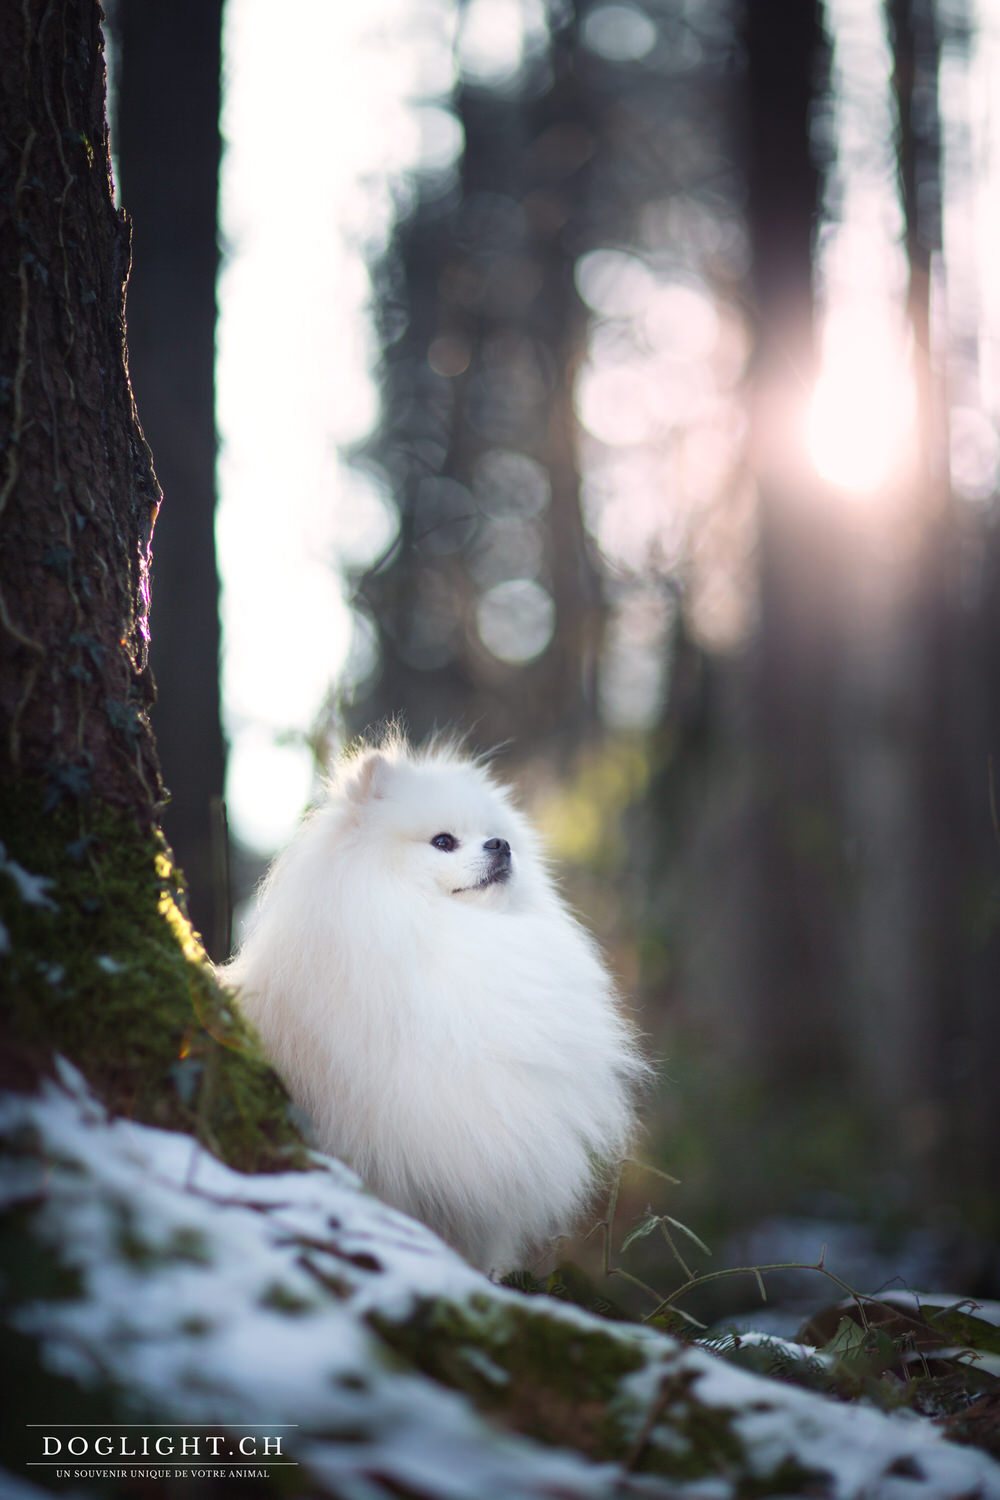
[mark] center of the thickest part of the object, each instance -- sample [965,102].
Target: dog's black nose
[498,846]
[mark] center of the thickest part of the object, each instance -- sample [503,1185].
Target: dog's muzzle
[500,862]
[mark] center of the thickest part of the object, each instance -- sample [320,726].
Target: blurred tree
[914,38]
[488,608]
[887,733]
[743,858]
[790,983]
[485,335]
[950,1106]
[168,148]
[825,798]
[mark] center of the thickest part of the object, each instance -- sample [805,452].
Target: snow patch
[212,1296]
[31,888]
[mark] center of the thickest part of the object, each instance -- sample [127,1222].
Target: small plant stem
[678,1257]
[633,1161]
[666,1304]
[609,1221]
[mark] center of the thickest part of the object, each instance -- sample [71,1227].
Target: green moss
[790,1478]
[196,1327]
[542,1376]
[102,966]
[32,1273]
[280,1299]
[570,1283]
[684,1439]
[183,1244]
[560,1382]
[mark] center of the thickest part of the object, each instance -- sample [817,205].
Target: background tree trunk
[168,149]
[484,278]
[790,978]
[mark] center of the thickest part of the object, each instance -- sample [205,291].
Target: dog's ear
[367,777]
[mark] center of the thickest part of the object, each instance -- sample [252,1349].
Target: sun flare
[860,420]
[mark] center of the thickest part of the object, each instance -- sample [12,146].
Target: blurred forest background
[687,336]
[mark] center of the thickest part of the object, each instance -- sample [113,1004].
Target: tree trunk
[79,495]
[168,148]
[493,280]
[790,1001]
[97,960]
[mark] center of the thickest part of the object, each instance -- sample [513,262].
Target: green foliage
[582,821]
[890,1352]
[957,1323]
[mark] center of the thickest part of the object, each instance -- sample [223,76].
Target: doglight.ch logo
[164,1450]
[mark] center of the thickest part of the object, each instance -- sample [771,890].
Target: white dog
[431,1003]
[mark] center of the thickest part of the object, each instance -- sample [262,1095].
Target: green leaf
[849,1342]
[689,1232]
[640,1232]
[961,1327]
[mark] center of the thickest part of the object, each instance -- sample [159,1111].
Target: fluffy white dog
[432,1004]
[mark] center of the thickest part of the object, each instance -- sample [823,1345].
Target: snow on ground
[209,1296]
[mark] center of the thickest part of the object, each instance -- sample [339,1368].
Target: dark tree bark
[914,79]
[953,1109]
[79,495]
[168,150]
[790,976]
[97,960]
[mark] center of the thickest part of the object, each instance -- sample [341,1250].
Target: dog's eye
[445,841]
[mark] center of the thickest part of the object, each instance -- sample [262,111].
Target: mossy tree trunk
[97,960]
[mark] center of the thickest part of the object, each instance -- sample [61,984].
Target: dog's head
[438,821]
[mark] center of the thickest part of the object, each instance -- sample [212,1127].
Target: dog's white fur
[455,1038]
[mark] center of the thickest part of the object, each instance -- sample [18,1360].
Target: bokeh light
[860,421]
[620,33]
[516,620]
